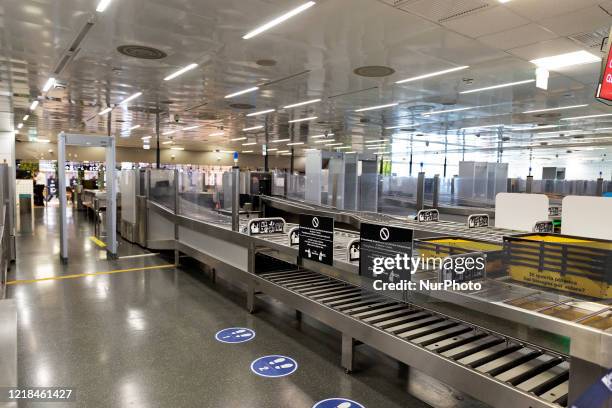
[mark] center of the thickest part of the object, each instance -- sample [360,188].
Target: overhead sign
[604,89]
[353,250]
[264,226]
[337,403]
[463,268]
[317,238]
[235,335]
[428,216]
[381,242]
[294,236]
[478,221]
[274,366]
[544,227]
[554,211]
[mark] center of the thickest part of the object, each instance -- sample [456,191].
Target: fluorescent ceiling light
[555,109]
[180,72]
[376,141]
[282,151]
[303,119]
[321,136]
[376,147]
[102,5]
[295,144]
[249,144]
[19,126]
[527,81]
[588,116]
[177,148]
[350,152]
[272,150]
[377,107]
[26,117]
[50,82]
[43,140]
[247,151]
[482,127]
[134,127]
[279,20]
[397,127]
[227,151]
[279,141]
[295,105]
[566,60]
[169,132]
[263,112]
[146,147]
[244,91]
[344,147]
[237,139]
[432,74]
[33,105]
[146,137]
[333,144]
[129,98]
[217,134]
[168,142]
[446,111]
[191,127]
[325,141]
[532,127]
[604,128]
[252,128]
[105,111]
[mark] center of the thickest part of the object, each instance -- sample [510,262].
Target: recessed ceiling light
[252,128]
[344,147]
[325,141]
[531,127]
[168,142]
[282,151]
[237,139]
[146,146]
[333,144]
[566,60]
[249,144]
[247,151]
[180,72]
[105,111]
[263,112]
[376,141]
[244,91]
[135,127]
[39,140]
[604,128]
[396,127]
[102,5]
[19,126]
[177,148]
[446,111]
[295,144]
[555,109]
[433,74]
[146,137]
[272,149]
[588,116]
[376,147]
[33,105]
[26,117]
[350,152]
[377,107]
[191,127]
[303,119]
[279,141]
[169,132]
[295,105]
[279,20]
[50,82]
[498,86]
[129,98]
[217,134]
[321,136]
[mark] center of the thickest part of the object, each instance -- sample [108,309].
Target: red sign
[605,87]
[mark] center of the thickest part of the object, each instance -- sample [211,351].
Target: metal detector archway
[68,139]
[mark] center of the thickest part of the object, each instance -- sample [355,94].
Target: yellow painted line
[96,241]
[81,275]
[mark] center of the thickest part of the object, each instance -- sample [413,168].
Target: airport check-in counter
[508,344]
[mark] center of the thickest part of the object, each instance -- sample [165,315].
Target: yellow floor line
[81,275]
[96,241]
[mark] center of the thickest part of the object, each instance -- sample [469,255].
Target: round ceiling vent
[266,62]
[141,52]
[242,106]
[374,71]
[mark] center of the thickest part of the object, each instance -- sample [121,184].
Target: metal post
[157,151]
[61,166]
[266,160]
[599,190]
[291,162]
[420,193]
[436,191]
[528,184]
[111,200]
[235,198]
[348,353]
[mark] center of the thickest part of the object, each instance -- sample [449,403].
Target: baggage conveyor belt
[496,369]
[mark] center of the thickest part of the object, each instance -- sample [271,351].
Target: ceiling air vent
[591,39]
[443,11]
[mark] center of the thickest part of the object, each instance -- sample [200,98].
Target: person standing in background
[40,182]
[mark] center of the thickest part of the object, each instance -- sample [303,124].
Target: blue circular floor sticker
[235,335]
[274,366]
[337,403]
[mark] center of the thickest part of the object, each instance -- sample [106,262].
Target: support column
[599,189]
[420,193]
[436,191]
[157,151]
[235,198]
[111,199]
[529,184]
[348,353]
[61,181]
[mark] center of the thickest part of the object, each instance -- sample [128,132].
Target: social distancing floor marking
[81,275]
[96,241]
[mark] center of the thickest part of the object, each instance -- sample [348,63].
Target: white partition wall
[520,212]
[314,170]
[587,217]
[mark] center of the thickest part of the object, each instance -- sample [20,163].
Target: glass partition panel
[162,187]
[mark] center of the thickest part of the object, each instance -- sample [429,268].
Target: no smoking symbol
[384,234]
[315,222]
